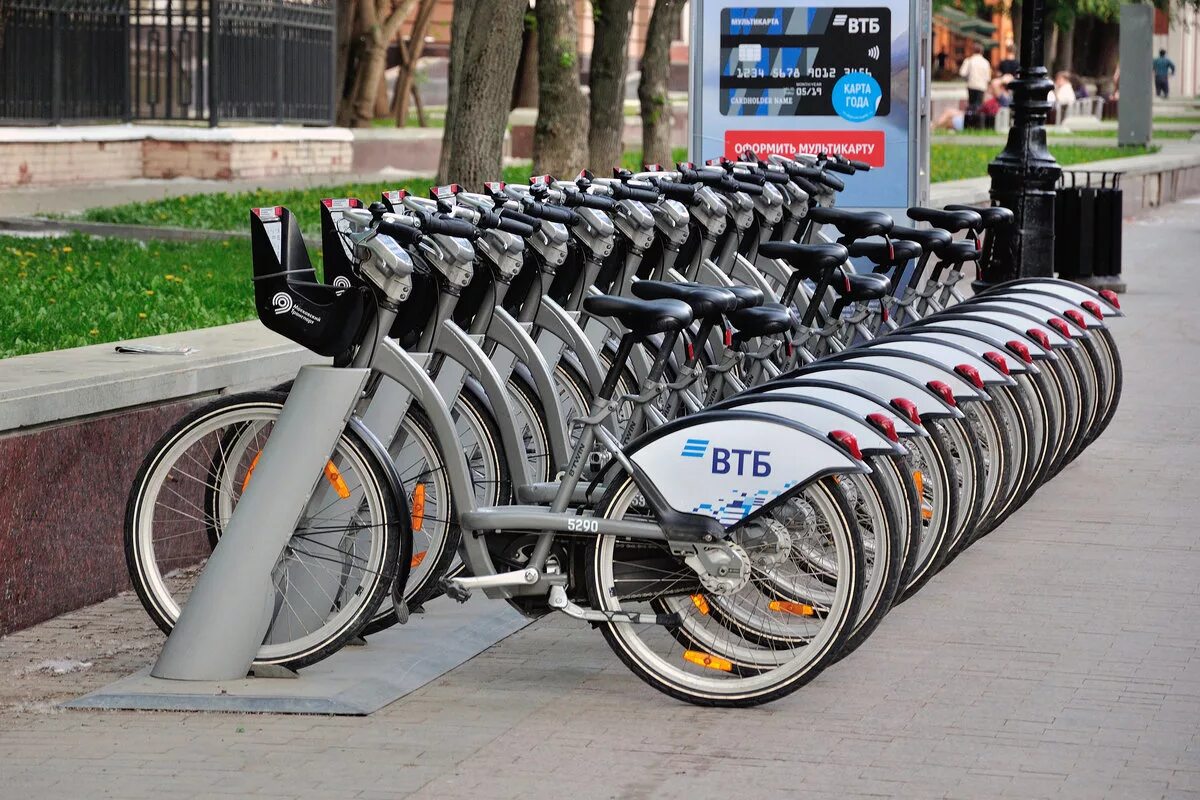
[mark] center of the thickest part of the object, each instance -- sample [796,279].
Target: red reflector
[886,316]
[971,374]
[908,408]
[1039,336]
[1075,316]
[1021,350]
[729,337]
[653,167]
[1093,308]
[1060,325]
[327,202]
[1000,362]
[847,442]
[885,425]
[943,391]
[1111,297]
[691,352]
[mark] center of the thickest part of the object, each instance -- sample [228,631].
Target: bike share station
[796,77]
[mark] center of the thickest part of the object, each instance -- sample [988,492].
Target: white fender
[917,370]
[853,403]
[1043,302]
[987,328]
[883,385]
[726,465]
[977,345]
[805,411]
[1018,321]
[1067,290]
[944,353]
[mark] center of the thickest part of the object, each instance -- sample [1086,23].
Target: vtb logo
[729,460]
[856,24]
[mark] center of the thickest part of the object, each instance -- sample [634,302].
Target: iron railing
[179,60]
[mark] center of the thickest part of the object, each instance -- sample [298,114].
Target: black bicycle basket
[287,296]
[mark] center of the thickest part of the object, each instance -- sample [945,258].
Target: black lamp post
[1024,175]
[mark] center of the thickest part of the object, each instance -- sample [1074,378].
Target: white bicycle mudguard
[916,368]
[946,353]
[977,343]
[818,414]
[852,399]
[729,464]
[882,382]
[1068,290]
[982,326]
[1042,301]
[1022,320]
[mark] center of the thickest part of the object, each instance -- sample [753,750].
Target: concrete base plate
[356,681]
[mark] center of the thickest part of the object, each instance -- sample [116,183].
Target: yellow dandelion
[51,301]
[169,277]
[68,249]
[70,269]
[149,292]
[225,243]
[94,332]
[28,254]
[141,315]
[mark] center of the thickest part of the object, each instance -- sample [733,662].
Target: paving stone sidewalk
[1056,658]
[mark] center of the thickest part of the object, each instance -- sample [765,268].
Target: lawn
[952,162]
[1192,120]
[78,290]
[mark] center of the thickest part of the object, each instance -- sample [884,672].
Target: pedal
[401,611]
[520,577]
[558,599]
[454,591]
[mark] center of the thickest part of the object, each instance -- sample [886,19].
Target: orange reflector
[706,660]
[700,603]
[335,480]
[418,558]
[250,471]
[799,609]
[926,508]
[418,507]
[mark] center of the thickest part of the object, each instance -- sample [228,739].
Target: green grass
[952,162]
[1191,120]
[230,212]
[1101,133]
[632,160]
[78,290]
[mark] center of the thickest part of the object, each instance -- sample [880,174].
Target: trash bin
[1087,228]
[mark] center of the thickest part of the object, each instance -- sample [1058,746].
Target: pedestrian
[1009,64]
[978,72]
[1164,68]
[941,61]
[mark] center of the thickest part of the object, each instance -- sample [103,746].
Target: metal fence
[199,60]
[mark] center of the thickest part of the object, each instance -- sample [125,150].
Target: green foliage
[78,290]
[632,159]
[952,162]
[566,54]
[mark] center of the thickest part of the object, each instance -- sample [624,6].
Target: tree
[485,43]
[377,21]
[410,53]
[656,74]
[606,80]
[560,137]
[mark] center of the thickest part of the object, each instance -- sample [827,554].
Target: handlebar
[623,191]
[525,219]
[598,202]
[431,223]
[548,212]
[491,220]
[405,235]
[837,166]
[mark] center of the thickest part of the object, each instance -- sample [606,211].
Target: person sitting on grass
[981,116]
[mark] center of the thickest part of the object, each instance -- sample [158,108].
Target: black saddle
[705,301]
[959,253]
[932,240]
[863,287]
[886,253]
[747,296]
[951,219]
[643,317]
[853,224]
[992,216]
[762,320]
[810,260]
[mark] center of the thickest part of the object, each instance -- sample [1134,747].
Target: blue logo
[856,96]
[694,448]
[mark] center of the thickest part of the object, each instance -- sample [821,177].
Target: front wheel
[772,635]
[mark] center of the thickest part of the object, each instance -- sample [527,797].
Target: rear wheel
[743,647]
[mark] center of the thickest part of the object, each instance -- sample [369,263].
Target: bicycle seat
[761,320]
[885,253]
[863,287]
[993,216]
[954,220]
[747,296]
[853,224]
[705,301]
[810,260]
[959,253]
[643,317]
[932,240]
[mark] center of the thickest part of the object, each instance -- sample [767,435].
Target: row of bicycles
[725,422]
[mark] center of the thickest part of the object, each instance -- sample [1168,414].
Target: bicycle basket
[287,296]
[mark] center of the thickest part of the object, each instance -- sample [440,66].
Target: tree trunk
[347,24]
[410,54]
[381,93]
[1050,48]
[1014,12]
[1066,49]
[656,75]
[525,90]
[484,46]
[606,79]
[369,77]
[560,137]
